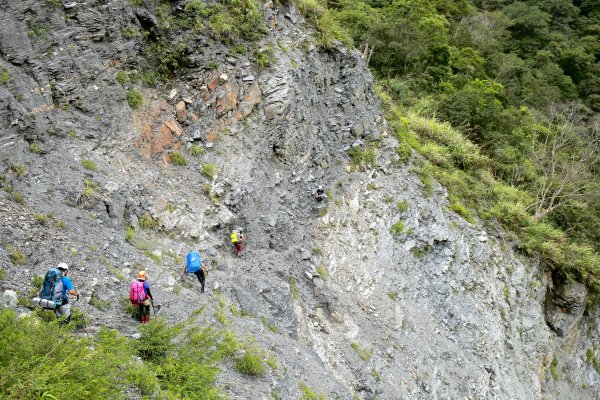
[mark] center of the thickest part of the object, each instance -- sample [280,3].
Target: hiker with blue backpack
[55,290]
[139,294]
[68,288]
[194,265]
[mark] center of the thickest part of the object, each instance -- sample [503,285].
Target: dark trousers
[144,310]
[201,279]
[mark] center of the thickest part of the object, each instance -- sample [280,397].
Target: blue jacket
[67,285]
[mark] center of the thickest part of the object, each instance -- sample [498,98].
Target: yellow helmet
[142,275]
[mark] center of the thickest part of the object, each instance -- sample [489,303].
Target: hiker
[320,193]
[64,310]
[195,265]
[140,295]
[238,238]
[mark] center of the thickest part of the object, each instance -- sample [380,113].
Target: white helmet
[63,266]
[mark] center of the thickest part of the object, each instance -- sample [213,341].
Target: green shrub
[84,365]
[404,151]
[192,371]
[328,28]
[211,65]
[127,307]
[147,222]
[402,206]
[154,257]
[41,218]
[360,159]
[425,174]
[128,33]
[16,255]
[36,29]
[18,197]
[107,365]
[88,164]
[544,239]
[18,170]
[265,57]
[235,19]
[196,150]
[129,234]
[251,363]
[177,159]
[134,98]
[376,375]
[322,271]
[35,147]
[229,345]
[364,353]
[90,188]
[209,170]
[513,215]
[156,340]
[461,210]
[170,206]
[399,88]
[438,155]
[148,77]
[397,227]
[271,362]
[2,274]
[5,77]
[121,78]
[308,394]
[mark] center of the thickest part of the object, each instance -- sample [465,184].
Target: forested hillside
[518,79]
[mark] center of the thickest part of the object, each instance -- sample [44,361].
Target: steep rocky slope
[440,308]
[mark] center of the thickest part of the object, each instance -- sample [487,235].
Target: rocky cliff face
[380,292]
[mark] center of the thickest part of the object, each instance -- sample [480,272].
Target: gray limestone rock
[8,299]
[565,307]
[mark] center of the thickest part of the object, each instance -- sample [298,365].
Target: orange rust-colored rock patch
[227,97]
[161,131]
[248,102]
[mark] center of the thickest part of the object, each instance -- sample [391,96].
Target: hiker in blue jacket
[195,265]
[65,309]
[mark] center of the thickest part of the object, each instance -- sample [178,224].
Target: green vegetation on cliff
[501,99]
[43,360]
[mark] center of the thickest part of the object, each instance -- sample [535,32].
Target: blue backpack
[193,262]
[53,287]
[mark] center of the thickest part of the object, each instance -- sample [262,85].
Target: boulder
[565,307]
[9,299]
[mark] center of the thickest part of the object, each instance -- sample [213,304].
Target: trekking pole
[154,311]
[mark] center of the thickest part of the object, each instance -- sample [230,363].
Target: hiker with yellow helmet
[140,295]
[237,238]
